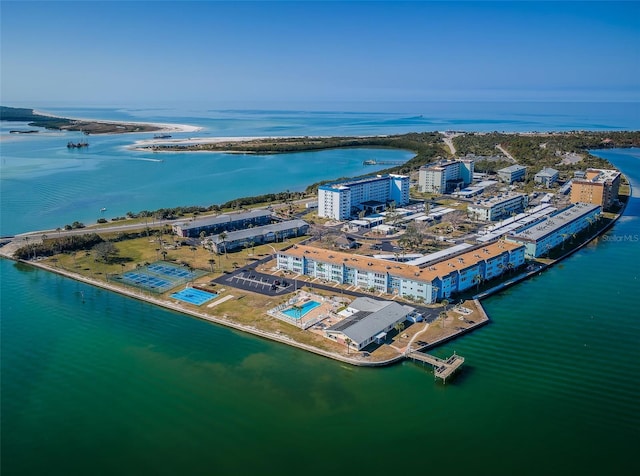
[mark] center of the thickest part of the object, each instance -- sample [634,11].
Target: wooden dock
[441,368]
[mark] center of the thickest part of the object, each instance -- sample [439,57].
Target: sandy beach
[141,144]
[160,126]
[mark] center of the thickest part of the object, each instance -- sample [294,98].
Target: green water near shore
[96,383]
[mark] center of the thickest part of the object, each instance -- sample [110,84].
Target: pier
[441,368]
[382,162]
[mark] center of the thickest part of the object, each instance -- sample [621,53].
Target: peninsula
[36,119]
[370,285]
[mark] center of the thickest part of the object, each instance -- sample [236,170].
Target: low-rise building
[435,281]
[495,208]
[546,177]
[513,173]
[598,187]
[220,223]
[368,320]
[259,235]
[542,236]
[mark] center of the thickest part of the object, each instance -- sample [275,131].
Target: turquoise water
[96,383]
[299,313]
[194,296]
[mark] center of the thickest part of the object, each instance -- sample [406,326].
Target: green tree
[223,237]
[105,251]
[348,342]
[443,318]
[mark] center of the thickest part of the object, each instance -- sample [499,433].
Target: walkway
[441,368]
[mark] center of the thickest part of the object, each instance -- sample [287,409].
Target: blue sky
[222,52]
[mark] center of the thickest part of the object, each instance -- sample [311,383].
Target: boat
[162,136]
[103,209]
[77,145]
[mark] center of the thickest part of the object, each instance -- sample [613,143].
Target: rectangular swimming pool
[194,296]
[298,313]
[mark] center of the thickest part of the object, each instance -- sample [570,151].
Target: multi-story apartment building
[542,236]
[546,177]
[598,187]
[343,199]
[513,173]
[496,208]
[429,283]
[445,176]
[220,223]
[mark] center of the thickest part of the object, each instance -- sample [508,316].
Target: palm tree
[223,236]
[478,279]
[164,255]
[399,326]
[348,342]
[443,317]
[211,263]
[509,266]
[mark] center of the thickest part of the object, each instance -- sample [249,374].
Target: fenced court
[157,277]
[194,296]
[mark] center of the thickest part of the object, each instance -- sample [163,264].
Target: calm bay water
[115,386]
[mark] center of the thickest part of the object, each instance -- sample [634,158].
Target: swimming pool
[194,296]
[298,313]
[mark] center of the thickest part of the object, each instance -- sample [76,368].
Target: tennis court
[158,277]
[194,296]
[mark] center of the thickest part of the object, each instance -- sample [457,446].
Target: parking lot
[249,279]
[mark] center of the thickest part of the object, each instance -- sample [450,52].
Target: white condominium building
[496,208]
[343,199]
[513,173]
[445,176]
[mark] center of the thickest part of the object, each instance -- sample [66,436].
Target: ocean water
[96,383]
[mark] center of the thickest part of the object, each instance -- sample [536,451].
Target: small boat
[77,145]
[162,136]
[103,209]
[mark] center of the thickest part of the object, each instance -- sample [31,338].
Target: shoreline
[162,127]
[283,339]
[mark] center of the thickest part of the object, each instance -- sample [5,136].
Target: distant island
[64,124]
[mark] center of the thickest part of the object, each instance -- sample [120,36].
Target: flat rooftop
[497,200]
[512,168]
[260,230]
[226,218]
[553,223]
[599,176]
